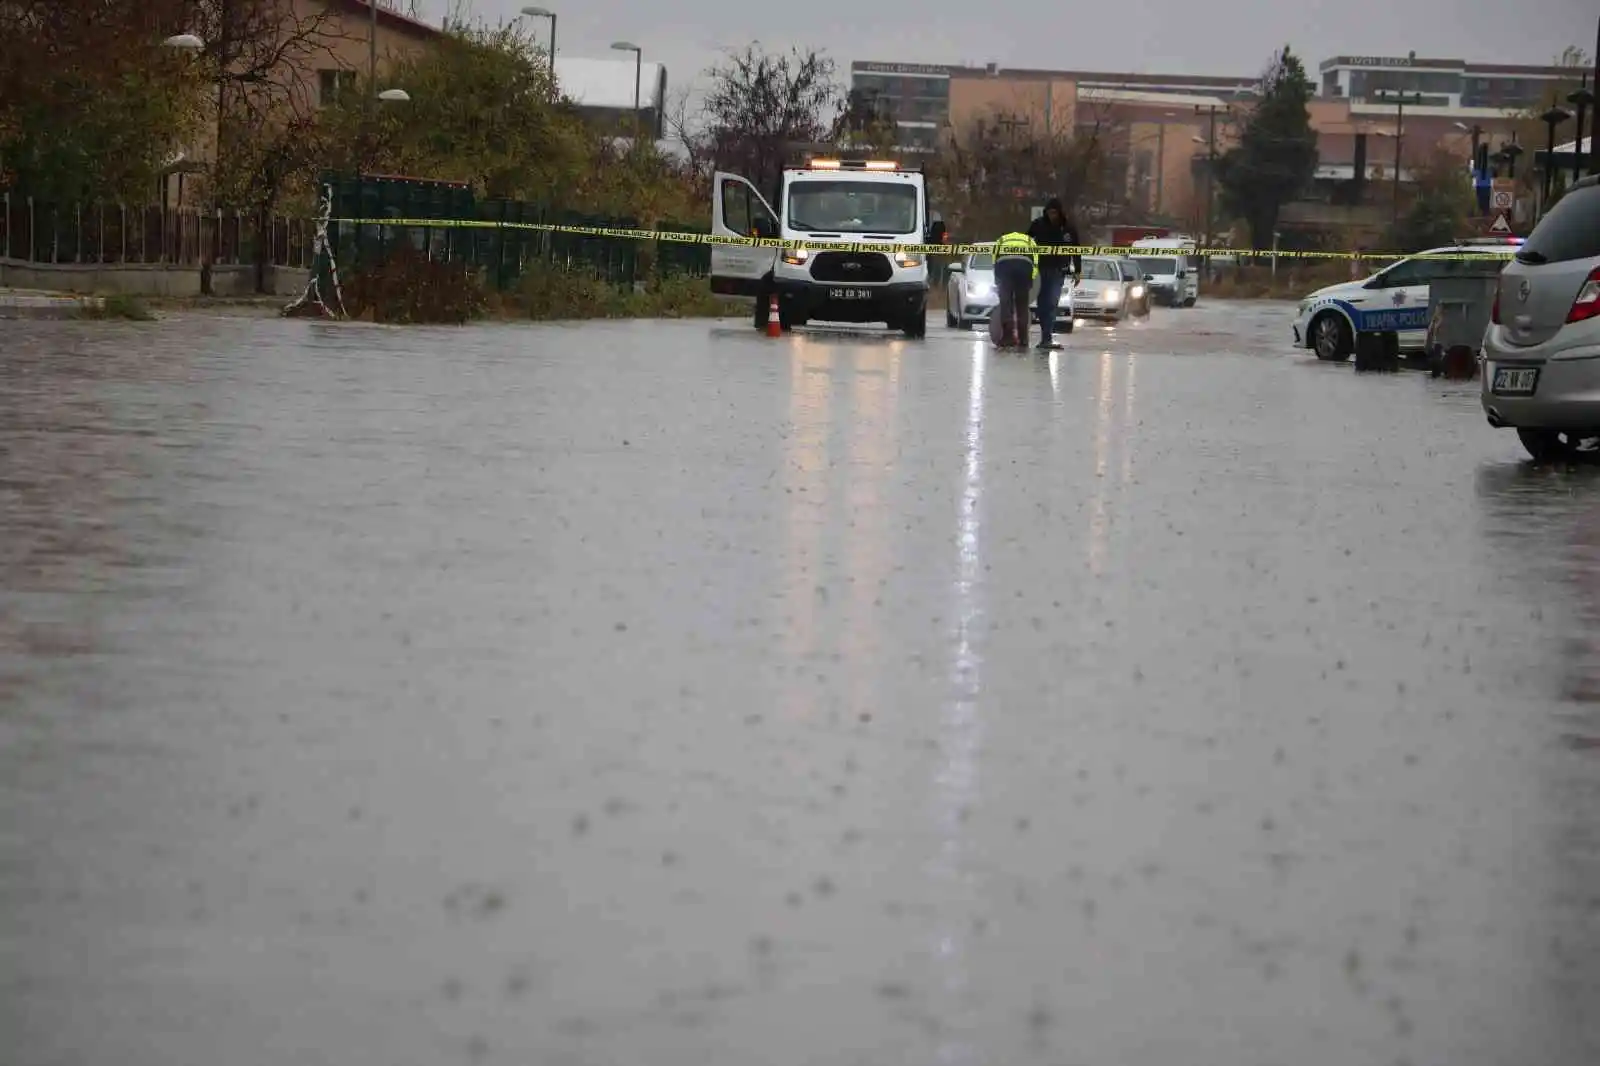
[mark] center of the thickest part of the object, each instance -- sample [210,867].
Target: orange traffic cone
[774,326]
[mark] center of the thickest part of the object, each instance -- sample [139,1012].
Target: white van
[1171,267]
[829,201]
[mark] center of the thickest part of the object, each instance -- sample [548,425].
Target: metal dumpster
[1459,304]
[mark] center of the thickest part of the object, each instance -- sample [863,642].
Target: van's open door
[737,210]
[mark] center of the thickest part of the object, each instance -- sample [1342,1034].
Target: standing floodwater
[660,693]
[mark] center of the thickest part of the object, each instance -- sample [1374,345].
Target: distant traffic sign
[1504,195]
[1500,227]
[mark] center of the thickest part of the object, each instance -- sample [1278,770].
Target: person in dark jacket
[1053,227]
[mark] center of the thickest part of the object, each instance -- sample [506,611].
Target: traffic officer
[1016,264]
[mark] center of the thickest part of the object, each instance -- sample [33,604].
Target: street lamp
[1508,155]
[546,13]
[638,71]
[185,42]
[1582,99]
[395,96]
[1552,118]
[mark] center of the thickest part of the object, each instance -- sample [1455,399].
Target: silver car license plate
[849,294]
[1515,380]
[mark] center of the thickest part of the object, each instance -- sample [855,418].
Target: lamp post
[545,13]
[1581,100]
[638,72]
[1400,100]
[1508,155]
[1552,118]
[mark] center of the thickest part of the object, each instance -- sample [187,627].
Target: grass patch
[547,294]
[118,306]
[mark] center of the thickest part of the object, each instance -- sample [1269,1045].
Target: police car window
[1100,270]
[846,206]
[736,207]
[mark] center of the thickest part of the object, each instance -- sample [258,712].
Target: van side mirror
[1149,277]
[954,268]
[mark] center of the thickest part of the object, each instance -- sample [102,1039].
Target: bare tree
[989,173]
[761,105]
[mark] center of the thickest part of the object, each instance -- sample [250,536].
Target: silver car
[1108,291]
[971,295]
[1541,352]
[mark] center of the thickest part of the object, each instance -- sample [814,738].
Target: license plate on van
[849,294]
[1515,380]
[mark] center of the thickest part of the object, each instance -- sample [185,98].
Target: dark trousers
[1013,278]
[1050,282]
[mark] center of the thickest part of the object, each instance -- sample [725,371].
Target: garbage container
[1459,304]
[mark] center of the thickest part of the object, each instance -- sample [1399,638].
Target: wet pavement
[660,693]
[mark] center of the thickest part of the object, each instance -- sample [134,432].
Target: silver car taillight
[1587,303]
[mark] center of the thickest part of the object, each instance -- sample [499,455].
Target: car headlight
[1113,296]
[796,256]
[1136,292]
[908,261]
[978,289]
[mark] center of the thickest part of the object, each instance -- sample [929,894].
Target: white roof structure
[608,83]
[1570,146]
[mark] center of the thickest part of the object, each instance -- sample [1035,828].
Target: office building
[1446,83]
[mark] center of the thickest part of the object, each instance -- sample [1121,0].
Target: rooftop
[608,83]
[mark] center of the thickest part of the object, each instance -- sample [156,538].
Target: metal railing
[135,235]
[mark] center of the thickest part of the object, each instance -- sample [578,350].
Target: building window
[330,83]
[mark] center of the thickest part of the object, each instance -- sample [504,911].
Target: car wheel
[1189,302]
[1554,445]
[950,319]
[1330,337]
[915,324]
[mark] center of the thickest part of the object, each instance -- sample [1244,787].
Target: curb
[19,305]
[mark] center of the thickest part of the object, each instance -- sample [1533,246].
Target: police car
[1325,320]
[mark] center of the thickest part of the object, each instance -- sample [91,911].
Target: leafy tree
[760,106]
[91,104]
[1443,203]
[483,109]
[1277,150]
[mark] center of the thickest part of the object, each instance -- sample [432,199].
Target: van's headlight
[1113,296]
[796,256]
[908,261]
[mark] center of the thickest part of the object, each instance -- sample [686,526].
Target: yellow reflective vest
[1017,246]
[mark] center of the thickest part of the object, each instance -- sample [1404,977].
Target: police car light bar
[852,164]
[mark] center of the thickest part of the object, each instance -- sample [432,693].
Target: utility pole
[1211,162]
[1400,100]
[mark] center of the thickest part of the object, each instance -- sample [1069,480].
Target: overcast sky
[1180,36]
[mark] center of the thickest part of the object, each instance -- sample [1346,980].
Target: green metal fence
[503,253]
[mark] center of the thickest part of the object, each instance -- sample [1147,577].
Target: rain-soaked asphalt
[649,693]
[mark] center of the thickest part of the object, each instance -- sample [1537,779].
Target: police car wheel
[950,319]
[1330,337]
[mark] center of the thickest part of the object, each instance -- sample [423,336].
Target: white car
[971,296]
[1325,320]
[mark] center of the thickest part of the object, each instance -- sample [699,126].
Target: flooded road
[661,693]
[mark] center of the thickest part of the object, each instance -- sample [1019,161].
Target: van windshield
[846,206]
[1160,266]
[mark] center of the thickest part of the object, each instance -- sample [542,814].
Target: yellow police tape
[778,243]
